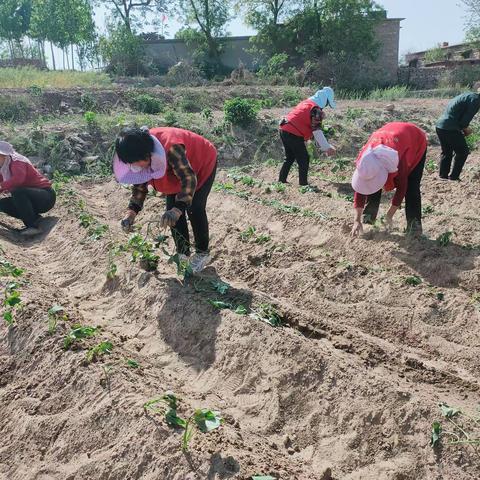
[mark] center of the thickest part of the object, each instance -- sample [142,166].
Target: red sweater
[411,143]
[23,175]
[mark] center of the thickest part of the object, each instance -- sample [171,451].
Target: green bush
[88,102]
[145,103]
[241,111]
[123,52]
[276,65]
[13,109]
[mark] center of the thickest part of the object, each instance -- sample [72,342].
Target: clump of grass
[445,238]
[145,103]
[389,94]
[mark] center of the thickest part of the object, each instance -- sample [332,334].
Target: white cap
[6,148]
[373,168]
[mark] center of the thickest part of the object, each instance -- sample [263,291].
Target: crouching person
[303,123]
[179,164]
[393,159]
[30,192]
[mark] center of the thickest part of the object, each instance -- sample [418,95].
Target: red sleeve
[359,200]
[401,182]
[19,172]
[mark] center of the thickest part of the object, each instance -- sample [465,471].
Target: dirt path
[350,382]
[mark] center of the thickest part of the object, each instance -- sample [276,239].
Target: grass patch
[26,77]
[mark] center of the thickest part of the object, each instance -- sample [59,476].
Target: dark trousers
[452,141]
[295,149]
[413,200]
[197,216]
[27,203]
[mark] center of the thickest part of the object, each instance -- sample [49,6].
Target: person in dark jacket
[452,128]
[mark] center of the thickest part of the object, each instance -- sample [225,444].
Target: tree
[473,20]
[130,12]
[342,31]
[14,22]
[209,18]
[260,13]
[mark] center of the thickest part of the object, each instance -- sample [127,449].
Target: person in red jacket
[303,123]
[393,158]
[30,192]
[179,164]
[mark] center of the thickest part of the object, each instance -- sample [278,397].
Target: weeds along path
[350,382]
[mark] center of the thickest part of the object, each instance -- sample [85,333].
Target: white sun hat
[373,168]
[6,148]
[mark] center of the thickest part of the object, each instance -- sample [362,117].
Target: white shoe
[30,232]
[199,261]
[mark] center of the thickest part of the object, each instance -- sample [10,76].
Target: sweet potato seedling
[221,305]
[132,363]
[77,333]
[55,313]
[202,419]
[464,428]
[98,350]
[11,302]
[9,270]
[143,251]
[267,313]
[247,234]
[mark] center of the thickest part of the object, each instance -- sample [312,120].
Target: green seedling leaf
[100,349]
[219,304]
[78,333]
[220,287]
[207,420]
[241,310]
[171,400]
[436,432]
[267,313]
[132,364]
[8,317]
[174,420]
[13,299]
[447,411]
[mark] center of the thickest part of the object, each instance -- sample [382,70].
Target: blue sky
[427,22]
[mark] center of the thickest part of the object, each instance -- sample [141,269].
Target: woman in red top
[393,158]
[30,192]
[175,162]
[303,123]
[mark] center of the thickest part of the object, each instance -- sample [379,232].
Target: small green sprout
[77,333]
[100,349]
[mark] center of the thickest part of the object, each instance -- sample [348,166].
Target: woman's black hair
[134,144]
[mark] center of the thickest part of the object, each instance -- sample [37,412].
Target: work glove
[128,221]
[170,217]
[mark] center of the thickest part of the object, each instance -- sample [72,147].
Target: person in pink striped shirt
[30,193]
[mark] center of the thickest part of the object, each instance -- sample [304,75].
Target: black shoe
[457,179]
